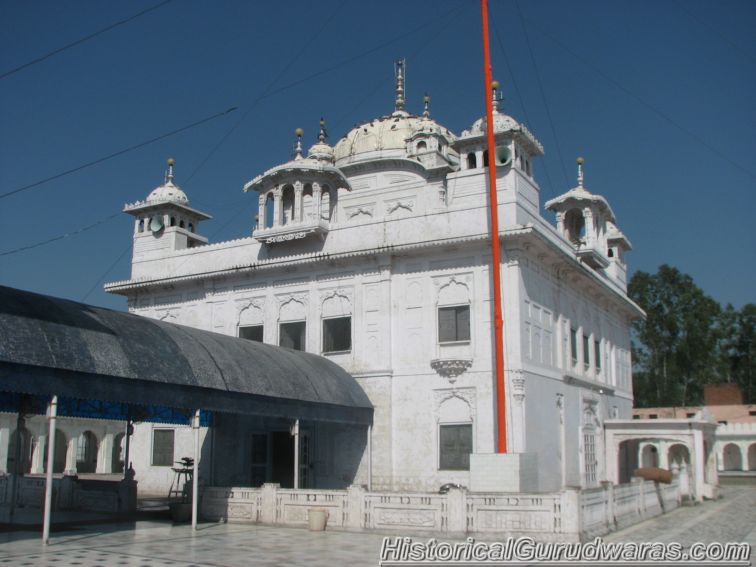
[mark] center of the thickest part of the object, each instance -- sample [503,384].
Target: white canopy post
[295,433]
[195,472]
[52,414]
[370,457]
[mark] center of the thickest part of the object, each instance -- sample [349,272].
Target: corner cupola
[587,222]
[299,198]
[430,143]
[515,145]
[164,221]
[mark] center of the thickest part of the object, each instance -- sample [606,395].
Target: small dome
[385,134]
[502,123]
[321,151]
[168,192]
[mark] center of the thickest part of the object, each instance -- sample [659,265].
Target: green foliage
[687,340]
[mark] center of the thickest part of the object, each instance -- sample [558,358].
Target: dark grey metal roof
[55,346]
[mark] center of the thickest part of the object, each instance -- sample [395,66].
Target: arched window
[59,458]
[287,205]
[421,146]
[191,227]
[678,453]
[731,458]
[181,223]
[472,161]
[485,158]
[650,456]
[20,451]
[173,221]
[574,226]
[86,453]
[141,225]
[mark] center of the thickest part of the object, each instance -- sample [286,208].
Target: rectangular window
[454,324]
[292,335]
[337,334]
[162,447]
[586,352]
[455,446]
[597,355]
[252,333]
[573,345]
[589,444]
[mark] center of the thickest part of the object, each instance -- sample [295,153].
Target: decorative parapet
[292,231]
[450,368]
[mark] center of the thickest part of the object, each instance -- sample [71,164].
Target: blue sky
[658,97]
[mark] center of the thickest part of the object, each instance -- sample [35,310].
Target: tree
[738,346]
[676,348]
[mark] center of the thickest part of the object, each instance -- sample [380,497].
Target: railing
[419,512]
[567,515]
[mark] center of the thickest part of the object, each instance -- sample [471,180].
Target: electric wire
[716,32]
[60,237]
[84,39]
[519,96]
[118,153]
[543,95]
[266,91]
[643,102]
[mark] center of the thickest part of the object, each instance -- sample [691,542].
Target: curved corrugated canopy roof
[55,346]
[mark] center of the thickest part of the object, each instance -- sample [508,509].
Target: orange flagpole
[501,417]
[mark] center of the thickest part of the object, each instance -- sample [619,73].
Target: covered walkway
[55,348]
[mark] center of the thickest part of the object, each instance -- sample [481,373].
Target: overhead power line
[59,237]
[543,94]
[520,97]
[118,153]
[84,39]
[644,102]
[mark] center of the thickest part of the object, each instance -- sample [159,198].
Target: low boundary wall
[567,515]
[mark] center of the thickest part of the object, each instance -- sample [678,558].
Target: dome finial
[298,145]
[323,134]
[426,106]
[169,173]
[580,161]
[399,75]
[495,86]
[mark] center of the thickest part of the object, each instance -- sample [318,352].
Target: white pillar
[277,193]
[295,433]
[316,195]
[73,448]
[4,443]
[370,457]
[38,457]
[261,211]
[195,472]
[52,415]
[297,212]
[105,454]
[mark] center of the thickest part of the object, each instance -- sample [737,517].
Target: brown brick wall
[722,395]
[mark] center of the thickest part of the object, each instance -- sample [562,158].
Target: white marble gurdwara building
[375,253]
